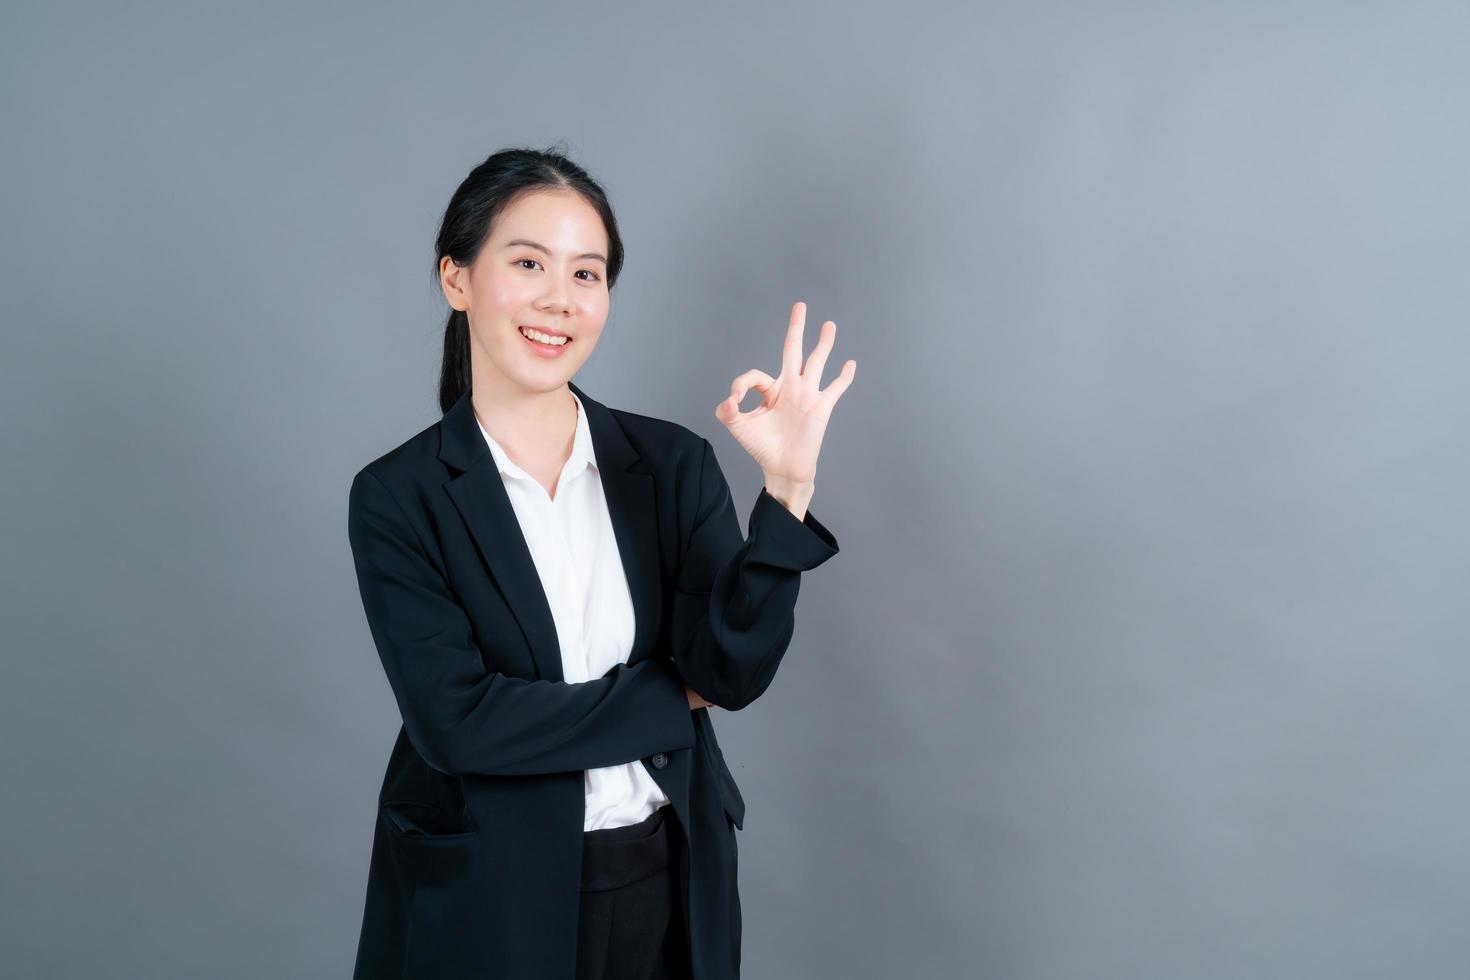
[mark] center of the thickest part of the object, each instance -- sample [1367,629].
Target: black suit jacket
[476,859]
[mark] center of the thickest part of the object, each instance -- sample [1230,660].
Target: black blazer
[476,860]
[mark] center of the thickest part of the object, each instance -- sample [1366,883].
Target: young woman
[557,591]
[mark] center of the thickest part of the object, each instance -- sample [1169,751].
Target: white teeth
[544,338]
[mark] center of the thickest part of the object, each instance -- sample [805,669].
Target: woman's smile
[545,349]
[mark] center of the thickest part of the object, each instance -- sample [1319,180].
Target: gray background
[1144,656]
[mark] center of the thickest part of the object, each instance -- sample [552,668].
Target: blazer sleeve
[735,605]
[465,720]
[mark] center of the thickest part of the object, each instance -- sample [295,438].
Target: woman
[557,591]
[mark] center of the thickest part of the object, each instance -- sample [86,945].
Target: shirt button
[660,760]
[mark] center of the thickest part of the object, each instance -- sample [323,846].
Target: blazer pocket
[426,823]
[730,794]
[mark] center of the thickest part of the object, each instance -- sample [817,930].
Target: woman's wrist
[795,497]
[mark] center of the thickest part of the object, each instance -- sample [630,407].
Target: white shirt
[576,554]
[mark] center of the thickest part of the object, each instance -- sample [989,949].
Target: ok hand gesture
[784,433]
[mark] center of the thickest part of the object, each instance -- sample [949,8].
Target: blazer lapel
[627,485]
[479,494]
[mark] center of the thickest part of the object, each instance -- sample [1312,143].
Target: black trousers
[632,923]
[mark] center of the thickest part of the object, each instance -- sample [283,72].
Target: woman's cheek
[506,300]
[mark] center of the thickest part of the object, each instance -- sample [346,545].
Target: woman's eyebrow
[585,255]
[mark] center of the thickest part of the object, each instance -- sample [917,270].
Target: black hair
[479,199]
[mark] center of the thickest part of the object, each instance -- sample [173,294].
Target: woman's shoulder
[413,460]
[659,436]
[666,448]
[439,451]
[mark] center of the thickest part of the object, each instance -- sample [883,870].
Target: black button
[660,760]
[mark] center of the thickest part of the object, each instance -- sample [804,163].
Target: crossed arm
[732,620]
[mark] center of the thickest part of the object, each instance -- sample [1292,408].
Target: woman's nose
[557,297]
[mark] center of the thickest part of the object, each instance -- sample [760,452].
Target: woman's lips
[547,350]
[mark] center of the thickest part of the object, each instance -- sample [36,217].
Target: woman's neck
[535,429]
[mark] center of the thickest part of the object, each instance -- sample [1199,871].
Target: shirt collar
[581,457]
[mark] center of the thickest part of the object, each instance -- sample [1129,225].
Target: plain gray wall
[1145,653]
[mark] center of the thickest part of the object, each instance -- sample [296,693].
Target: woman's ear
[454,280]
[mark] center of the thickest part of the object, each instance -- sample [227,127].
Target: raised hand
[784,433]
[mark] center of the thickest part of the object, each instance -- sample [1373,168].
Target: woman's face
[544,267]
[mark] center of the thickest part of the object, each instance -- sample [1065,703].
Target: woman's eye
[595,276]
